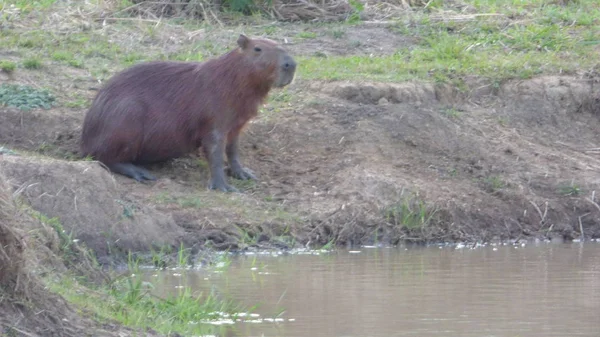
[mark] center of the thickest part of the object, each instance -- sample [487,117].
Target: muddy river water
[506,290]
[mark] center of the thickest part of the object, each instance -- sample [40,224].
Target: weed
[128,208]
[358,8]
[183,258]
[338,33]
[26,6]
[190,202]
[493,183]
[329,245]
[570,190]
[8,66]
[32,63]
[62,55]
[159,259]
[307,35]
[452,113]
[410,213]
[244,185]
[66,240]
[4,150]
[503,121]
[25,97]
[78,103]
[128,300]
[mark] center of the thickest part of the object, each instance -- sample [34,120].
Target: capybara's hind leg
[132,171]
[213,150]
[236,169]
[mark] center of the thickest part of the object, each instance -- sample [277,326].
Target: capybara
[159,110]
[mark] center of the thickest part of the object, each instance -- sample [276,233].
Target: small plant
[66,239]
[410,213]
[4,150]
[307,35]
[358,8]
[25,97]
[8,66]
[570,190]
[183,258]
[493,183]
[32,63]
[452,113]
[62,55]
[338,33]
[78,103]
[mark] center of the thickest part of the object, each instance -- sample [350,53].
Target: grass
[8,66]
[410,212]
[129,301]
[493,183]
[32,63]
[553,39]
[571,189]
[520,40]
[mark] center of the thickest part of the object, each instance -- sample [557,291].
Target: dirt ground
[29,249]
[337,161]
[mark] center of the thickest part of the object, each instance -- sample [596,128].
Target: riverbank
[468,122]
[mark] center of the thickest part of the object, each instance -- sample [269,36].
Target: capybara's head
[267,55]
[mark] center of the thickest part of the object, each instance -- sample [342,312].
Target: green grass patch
[8,66]
[410,212]
[26,6]
[484,48]
[571,189]
[25,97]
[493,183]
[129,301]
[32,63]
[307,35]
[522,40]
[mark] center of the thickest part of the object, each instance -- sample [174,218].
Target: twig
[542,215]
[594,203]
[581,225]
[126,19]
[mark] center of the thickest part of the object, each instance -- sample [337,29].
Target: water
[536,290]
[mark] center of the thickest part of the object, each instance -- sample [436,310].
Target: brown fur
[160,110]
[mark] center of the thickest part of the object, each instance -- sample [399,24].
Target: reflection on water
[535,290]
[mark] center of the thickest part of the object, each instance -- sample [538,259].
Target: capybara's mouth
[285,78]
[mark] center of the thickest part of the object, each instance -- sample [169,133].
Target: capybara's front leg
[213,149]
[235,167]
[132,171]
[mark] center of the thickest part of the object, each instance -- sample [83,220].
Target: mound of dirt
[517,159]
[26,307]
[89,205]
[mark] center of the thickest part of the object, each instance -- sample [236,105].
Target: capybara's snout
[289,64]
[288,71]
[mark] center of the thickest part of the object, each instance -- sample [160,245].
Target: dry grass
[13,277]
[219,11]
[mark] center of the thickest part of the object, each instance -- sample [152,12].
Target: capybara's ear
[243,41]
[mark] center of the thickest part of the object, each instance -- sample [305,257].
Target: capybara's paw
[223,187]
[144,175]
[131,171]
[242,173]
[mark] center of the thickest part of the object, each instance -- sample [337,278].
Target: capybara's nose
[289,64]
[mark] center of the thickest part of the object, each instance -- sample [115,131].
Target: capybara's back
[144,114]
[156,111]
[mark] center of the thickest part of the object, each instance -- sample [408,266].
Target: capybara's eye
[257,49]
